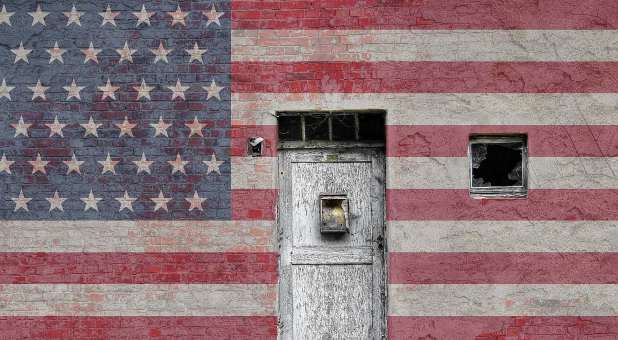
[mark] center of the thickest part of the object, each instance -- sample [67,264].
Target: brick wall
[123,107]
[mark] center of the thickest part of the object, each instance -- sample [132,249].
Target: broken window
[312,128]
[498,166]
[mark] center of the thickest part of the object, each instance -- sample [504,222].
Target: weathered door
[332,284]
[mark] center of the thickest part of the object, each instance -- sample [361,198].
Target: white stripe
[439,108]
[543,172]
[503,300]
[136,236]
[254,172]
[137,300]
[502,236]
[427,172]
[424,45]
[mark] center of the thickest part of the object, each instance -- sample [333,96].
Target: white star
[5,17]
[196,53]
[55,128]
[38,16]
[160,127]
[5,165]
[108,90]
[91,201]
[213,16]
[56,53]
[21,202]
[160,53]
[214,91]
[196,202]
[21,128]
[5,91]
[73,90]
[21,53]
[178,17]
[126,53]
[143,16]
[125,127]
[178,90]
[109,16]
[55,202]
[73,16]
[38,91]
[73,165]
[160,202]
[196,127]
[143,91]
[143,164]
[125,201]
[91,53]
[108,165]
[91,128]
[38,165]
[213,164]
[178,165]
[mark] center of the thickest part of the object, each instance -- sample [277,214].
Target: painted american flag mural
[459,268]
[119,117]
[130,208]
[116,200]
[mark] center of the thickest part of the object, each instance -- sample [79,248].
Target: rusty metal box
[334,214]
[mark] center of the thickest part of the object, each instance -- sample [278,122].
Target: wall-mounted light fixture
[255,146]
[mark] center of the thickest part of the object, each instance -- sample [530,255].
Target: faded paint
[527,48]
[425,45]
[137,236]
[438,108]
[503,299]
[138,300]
[543,172]
[503,236]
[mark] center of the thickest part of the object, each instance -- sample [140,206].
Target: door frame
[332,153]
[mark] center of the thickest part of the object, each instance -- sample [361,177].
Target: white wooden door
[332,285]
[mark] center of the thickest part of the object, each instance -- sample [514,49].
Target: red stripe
[432,77]
[499,328]
[541,204]
[503,268]
[444,14]
[254,204]
[242,133]
[543,140]
[137,268]
[132,327]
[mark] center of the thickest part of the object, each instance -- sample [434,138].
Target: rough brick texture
[446,14]
[138,268]
[503,328]
[91,328]
[184,247]
[125,71]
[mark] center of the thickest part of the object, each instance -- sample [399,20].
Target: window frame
[499,191]
[330,143]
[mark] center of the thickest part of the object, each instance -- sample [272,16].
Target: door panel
[340,294]
[331,285]
[309,180]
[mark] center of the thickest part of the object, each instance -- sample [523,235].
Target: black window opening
[498,166]
[337,127]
